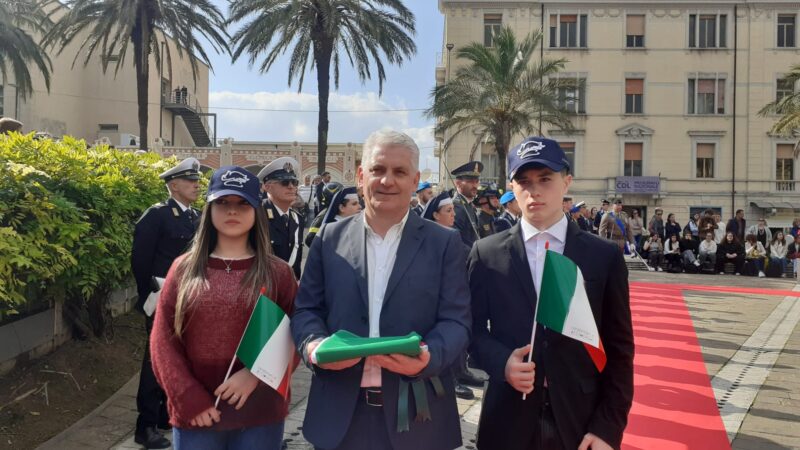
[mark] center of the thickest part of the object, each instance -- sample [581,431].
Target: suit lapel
[572,247]
[354,236]
[519,261]
[409,244]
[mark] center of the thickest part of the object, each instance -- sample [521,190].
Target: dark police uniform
[466,218]
[485,219]
[504,221]
[285,229]
[163,233]
[420,208]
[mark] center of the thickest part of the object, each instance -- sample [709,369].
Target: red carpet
[673,404]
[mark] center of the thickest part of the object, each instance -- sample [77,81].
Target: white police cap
[189,168]
[283,168]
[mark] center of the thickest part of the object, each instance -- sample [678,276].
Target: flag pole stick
[227,375]
[535,315]
[233,360]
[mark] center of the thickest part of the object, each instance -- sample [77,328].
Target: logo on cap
[288,167]
[530,148]
[234,178]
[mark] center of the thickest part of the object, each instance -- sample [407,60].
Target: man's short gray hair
[389,138]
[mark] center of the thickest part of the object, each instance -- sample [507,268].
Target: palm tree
[361,30]
[502,93]
[20,19]
[108,26]
[787,107]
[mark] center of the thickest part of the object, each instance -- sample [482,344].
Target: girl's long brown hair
[191,271]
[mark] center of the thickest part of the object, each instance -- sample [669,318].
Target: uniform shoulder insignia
[175,212]
[486,227]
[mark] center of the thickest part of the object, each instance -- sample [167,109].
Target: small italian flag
[266,347]
[563,305]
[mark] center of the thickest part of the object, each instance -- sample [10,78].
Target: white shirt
[381,255]
[535,241]
[182,206]
[708,247]
[280,211]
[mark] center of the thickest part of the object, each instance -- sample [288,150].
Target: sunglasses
[287,183]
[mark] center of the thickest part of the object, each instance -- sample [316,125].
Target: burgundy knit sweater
[191,368]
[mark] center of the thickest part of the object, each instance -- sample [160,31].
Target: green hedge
[66,220]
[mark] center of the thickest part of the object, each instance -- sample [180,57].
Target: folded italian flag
[266,347]
[563,305]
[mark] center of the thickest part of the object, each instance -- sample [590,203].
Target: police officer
[486,210]
[424,195]
[327,193]
[163,233]
[285,224]
[467,179]
[510,215]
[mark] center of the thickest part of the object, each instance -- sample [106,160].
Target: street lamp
[449,50]
[161,94]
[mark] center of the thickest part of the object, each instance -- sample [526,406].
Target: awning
[764,204]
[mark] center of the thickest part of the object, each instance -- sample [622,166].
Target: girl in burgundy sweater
[203,309]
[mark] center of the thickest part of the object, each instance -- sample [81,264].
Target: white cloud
[240,118]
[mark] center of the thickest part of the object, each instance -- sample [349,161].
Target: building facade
[342,160]
[87,103]
[668,112]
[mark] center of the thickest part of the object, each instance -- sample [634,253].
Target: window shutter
[633,151]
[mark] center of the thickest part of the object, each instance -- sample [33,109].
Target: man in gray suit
[385,272]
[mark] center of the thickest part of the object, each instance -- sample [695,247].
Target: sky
[239,92]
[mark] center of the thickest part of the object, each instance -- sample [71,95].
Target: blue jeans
[264,437]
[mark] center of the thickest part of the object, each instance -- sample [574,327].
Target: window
[634,31]
[708,30]
[705,160]
[786,33]
[109,127]
[568,30]
[706,95]
[634,96]
[1,100]
[784,88]
[569,152]
[573,98]
[784,167]
[633,159]
[491,26]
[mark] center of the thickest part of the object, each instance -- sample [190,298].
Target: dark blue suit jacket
[583,400]
[427,293]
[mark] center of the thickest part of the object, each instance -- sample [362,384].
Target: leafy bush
[66,221]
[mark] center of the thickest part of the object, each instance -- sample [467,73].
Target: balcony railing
[785,186]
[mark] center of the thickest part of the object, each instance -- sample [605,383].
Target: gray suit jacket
[427,293]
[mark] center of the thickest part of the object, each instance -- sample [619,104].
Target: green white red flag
[564,307]
[266,347]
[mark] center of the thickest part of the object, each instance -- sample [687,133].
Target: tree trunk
[141,62]
[323,50]
[501,144]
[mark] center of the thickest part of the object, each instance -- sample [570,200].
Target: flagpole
[233,360]
[227,375]
[535,315]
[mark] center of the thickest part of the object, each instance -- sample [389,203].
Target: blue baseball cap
[422,186]
[507,197]
[234,180]
[536,151]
